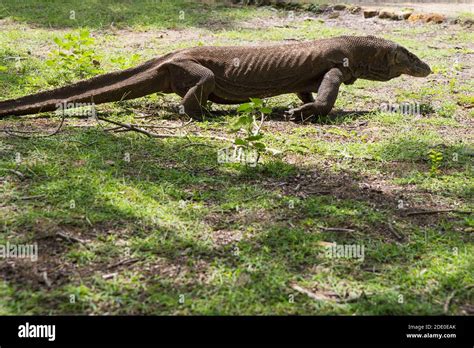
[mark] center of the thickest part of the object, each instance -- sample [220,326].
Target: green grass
[141,14]
[231,240]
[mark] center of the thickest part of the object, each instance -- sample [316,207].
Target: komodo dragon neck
[235,74]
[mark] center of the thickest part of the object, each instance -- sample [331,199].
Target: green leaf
[239,141]
[257,101]
[244,107]
[301,149]
[266,110]
[58,41]
[259,146]
[241,122]
[254,137]
[84,34]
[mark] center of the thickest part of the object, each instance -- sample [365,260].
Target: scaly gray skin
[232,75]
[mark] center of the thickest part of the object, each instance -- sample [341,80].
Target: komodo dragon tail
[121,85]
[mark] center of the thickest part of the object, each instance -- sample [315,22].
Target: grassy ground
[159,227]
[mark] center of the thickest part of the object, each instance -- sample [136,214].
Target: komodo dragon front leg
[327,95]
[194,83]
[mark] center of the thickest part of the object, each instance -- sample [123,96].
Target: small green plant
[75,56]
[248,124]
[426,108]
[466,101]
[457,66]
[447,110]
[469,221]
[125,63]
[315,8]
[436,159]
[452,84]
[439,69]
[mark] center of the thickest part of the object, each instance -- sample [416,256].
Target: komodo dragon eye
[401,56]
[393,56]
[397,56]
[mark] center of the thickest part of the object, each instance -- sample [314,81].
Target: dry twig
[430,212]
[394,231]
[451,296]
[70,238]
[22,134]
[336,229]
[132,127]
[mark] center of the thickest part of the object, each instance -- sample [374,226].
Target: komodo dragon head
[385,60]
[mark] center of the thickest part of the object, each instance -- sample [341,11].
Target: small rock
[396,17]
[427,17]
[435,18]
[370,13]
[339,7]
[406,14]
[354,9]
[333,15]
[386,14]
[467,23]
[414,17]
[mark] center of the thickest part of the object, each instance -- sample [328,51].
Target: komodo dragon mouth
[234,74]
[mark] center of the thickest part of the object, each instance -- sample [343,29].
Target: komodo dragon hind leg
[327,95]
[194,83]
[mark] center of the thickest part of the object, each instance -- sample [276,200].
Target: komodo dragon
[232,75]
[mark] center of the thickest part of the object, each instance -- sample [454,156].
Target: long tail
[121,85]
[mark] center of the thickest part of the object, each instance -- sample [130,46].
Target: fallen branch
[31,197]
[70,238]
[430,212]
[394,232]
[336,229]
[114,129]
[18,133]
[451,296]
[109,276]
[17,173]
[311,294]
[165,127]
[124,262]
[132,127]
[46,279]
[317,192]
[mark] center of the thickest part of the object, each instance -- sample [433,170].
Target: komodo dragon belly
[238,90]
